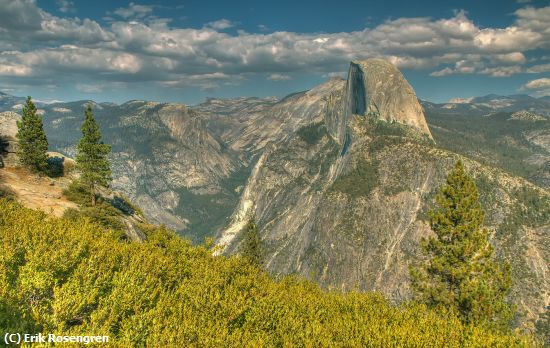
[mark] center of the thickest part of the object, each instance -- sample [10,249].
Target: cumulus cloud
[220,24]
[539,87]
[19,15]
[538,83]
[136,46]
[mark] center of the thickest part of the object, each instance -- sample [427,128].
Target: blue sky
[186,51]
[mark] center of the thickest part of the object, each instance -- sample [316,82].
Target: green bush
[107,213]
[360,181]
[312,133]
[74,277]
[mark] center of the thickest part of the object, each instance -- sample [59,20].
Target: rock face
[376,87]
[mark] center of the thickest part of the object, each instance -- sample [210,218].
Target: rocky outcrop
[387,94]
[374,87]
[524,115]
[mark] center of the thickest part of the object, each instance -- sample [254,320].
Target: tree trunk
[92,192]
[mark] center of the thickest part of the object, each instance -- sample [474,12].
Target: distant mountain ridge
[491,103]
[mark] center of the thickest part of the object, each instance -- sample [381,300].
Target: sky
[187,51]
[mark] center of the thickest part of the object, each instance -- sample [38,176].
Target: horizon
[167,52]
[207,99]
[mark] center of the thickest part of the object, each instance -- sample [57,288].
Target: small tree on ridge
[91,157]
[33,144]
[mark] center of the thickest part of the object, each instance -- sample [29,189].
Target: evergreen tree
[543,327]
[91,157]
[252,245]
[33,144]
[460,273]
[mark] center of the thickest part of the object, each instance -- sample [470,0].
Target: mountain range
[339,177]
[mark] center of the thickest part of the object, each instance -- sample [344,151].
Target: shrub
[360,181]
[74,277]
[312,133]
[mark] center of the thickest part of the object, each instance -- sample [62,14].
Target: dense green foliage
[91,156]
[312,133]
[252,244]
[74,277]
[33,144]
[492,140]
[543,327]
[106,212]
[360,181]
[459,273]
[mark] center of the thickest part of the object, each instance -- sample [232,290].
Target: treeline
[91,156]
[74,277]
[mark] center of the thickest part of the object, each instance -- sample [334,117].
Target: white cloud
[14,70]
[278,77]
[538,84]
[205,82]
[539,87]
[443,72]
[502,71]
[89,88]
[141,47]
[65,6]
[134,11]
[535,69]
[461,100]
[511,58]
[220,24]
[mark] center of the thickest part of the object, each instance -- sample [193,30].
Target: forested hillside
[74,277]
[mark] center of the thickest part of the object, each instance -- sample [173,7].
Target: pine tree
[91,157]
[460,273]
[252,245]
[33,144]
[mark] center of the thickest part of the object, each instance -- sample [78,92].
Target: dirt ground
[36,192]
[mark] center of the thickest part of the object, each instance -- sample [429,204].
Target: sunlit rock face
[374,87]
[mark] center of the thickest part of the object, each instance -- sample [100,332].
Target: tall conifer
[252,245]
[33,144]
[91,157]
[460,273]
